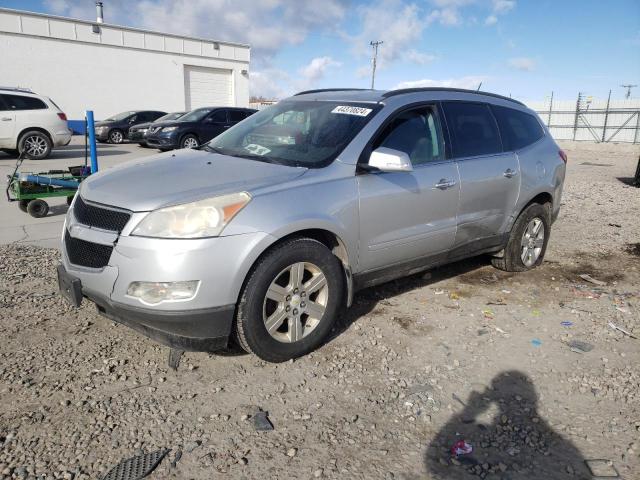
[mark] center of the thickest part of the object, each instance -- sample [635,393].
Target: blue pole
[92,141]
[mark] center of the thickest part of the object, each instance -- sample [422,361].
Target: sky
[522,48]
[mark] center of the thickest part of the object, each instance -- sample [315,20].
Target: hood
[180,177]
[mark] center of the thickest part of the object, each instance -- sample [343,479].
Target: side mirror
[390,160]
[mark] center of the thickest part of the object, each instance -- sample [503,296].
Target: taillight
[563,155]
[62,116]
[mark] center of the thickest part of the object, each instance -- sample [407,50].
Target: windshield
[118,117]
[296,133]
[196,115]
[170,116]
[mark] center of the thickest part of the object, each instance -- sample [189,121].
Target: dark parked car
[138,132]
[115,129]
[195,128]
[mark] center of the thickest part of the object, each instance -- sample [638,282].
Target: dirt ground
[463,353]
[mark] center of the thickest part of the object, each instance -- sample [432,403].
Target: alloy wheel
[532,242]
[295,302]
[116,137]
[35,145]
[190,142]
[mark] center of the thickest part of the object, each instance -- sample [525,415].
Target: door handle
[509,173]
[6,119]
[443,184]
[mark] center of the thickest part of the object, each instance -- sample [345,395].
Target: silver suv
[265,233]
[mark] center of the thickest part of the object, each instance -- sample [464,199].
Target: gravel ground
[463,353]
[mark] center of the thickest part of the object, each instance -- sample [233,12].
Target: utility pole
[628,87]
[374,61]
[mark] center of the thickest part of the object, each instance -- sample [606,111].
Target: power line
[628,87]
[374,61]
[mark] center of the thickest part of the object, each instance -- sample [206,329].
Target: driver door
[409,217]
[213,125]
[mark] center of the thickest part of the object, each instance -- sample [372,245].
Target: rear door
[236,116]
[7,125]
[213,125]
[409,216]
[489,176]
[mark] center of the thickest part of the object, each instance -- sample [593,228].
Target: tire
[38,208]
[35,144]
[23,204]
[189,141]
[286,342]
[526,234]
[116,136]
[69,200]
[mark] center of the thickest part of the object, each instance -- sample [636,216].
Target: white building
[109,69]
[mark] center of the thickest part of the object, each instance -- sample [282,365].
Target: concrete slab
[19,227]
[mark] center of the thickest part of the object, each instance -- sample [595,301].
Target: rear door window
[415,132]
[219,116]
[19,102]
[473,129]
[3,104]
[518,129]
[236,116]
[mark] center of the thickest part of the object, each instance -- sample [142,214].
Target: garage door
[205,87]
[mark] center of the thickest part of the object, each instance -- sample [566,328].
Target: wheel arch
[188,133]
[328,238]
[543,198]
[31,129]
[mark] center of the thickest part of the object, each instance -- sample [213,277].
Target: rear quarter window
[19,102]
[518,129]
[473,129]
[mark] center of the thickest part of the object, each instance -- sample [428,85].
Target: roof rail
[392,93]
[17,89]
[320,90]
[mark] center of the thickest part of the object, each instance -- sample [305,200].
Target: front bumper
[206,329]
[201,323]
[162,141]
[102,135]
[137,136]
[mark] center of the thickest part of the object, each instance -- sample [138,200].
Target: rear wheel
[38,208]
[116,136]
[527,241]
[36,145]
[189,141]
[290,301]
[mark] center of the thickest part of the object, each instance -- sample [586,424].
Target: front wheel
[290,301]
[189,141]
[38,208]
[527,241]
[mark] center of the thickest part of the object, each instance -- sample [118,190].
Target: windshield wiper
[211,149]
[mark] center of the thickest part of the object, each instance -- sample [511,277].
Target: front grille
[86,254]
[98,217]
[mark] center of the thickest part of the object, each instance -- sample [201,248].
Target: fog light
[153,293]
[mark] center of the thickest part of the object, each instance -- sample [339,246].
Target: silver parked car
[266,232]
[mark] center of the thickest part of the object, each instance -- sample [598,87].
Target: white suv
[31,123]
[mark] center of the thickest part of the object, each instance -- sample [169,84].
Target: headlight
[153,293]
[204,218]
[169,129]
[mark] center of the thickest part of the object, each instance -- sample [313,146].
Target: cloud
[268,26]
[397,23]
[499,7]
[447,12]
[525,64]
[421,58]
[469,82]
[491,20]
[316,69]
[270,83]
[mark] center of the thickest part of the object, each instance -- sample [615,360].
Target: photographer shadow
[516,443]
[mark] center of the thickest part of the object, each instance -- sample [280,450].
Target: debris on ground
[136,468]
[461,448]
[620,329]
[588,278]
[261,422]
[578,346]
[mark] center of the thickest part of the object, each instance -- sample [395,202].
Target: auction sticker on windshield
[349,110]
[257,149]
